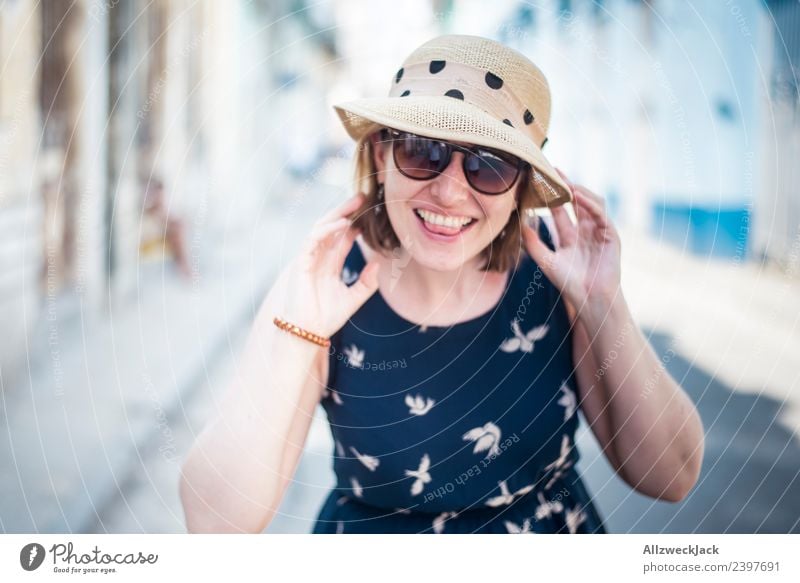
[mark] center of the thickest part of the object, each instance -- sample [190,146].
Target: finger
[342,248]
[590,207]
[588,195]
[537,248]
[565,179]
[592,195]
[344,209]
[363,288]
[566,230]
[320,231]
[315,244]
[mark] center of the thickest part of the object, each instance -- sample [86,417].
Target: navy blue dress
[460,429]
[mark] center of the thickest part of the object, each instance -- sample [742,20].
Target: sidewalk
[729,333]
[101,391]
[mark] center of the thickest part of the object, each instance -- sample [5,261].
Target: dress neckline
[457,325]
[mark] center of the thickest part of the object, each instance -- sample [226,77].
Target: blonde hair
[502,254]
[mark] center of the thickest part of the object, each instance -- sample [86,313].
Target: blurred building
[136,131]
[777,210]
[142,131]
[702,106]
[683,115]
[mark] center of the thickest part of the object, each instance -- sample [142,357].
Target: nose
[451,188]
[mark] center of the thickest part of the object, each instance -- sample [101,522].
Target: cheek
[498,213]
[397,208]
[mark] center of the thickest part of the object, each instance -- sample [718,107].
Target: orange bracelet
[298,331]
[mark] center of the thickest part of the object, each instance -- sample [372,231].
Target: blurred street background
[161,160]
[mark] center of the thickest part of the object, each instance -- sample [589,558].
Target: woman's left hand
[585,266]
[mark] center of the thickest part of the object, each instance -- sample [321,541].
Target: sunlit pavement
[104,405]
[730,334]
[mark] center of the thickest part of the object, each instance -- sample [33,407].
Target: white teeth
[452,222]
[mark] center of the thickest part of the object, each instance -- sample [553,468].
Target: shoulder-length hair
[502,254]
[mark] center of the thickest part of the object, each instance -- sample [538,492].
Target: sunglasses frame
[394,136]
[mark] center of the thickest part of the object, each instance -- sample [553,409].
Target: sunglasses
[487,171]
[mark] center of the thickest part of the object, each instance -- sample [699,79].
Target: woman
[453,391]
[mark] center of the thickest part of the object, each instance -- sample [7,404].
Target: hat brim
[452,119]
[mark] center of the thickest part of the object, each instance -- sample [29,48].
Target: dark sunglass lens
[419,157]
[489,173]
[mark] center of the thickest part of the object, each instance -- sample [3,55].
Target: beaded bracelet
[297,331]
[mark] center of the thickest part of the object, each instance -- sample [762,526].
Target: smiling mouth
[437,226]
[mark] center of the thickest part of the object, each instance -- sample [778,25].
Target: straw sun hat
[468,89]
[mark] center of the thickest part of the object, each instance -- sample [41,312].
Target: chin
[442,260]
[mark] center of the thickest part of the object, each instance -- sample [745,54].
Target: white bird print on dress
[523,342]
[358,490]
[560,465]
[339,448]
[514,528]
[355,357]
[575,517]
[421,474]
[370,462]
[333,395]
[546,508]
[438,522]
[418,405]
[506,497]
[567,401]
[348,276]
[485,438]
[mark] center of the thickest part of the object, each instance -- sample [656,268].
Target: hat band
[471,85]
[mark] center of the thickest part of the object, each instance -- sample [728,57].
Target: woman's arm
[232,479]
[647,426]
[235,475]
[303,418]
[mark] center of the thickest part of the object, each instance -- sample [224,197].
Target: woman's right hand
[317,298]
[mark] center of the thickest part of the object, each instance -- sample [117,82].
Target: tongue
[441,229]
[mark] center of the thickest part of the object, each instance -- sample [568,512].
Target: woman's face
[415,206]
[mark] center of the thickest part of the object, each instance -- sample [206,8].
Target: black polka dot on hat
[404,93]
[528,117]
[399,75]
[505,121]
[455,93]
[436,66]
[493,80]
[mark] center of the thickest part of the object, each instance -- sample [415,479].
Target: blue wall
[709,231]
